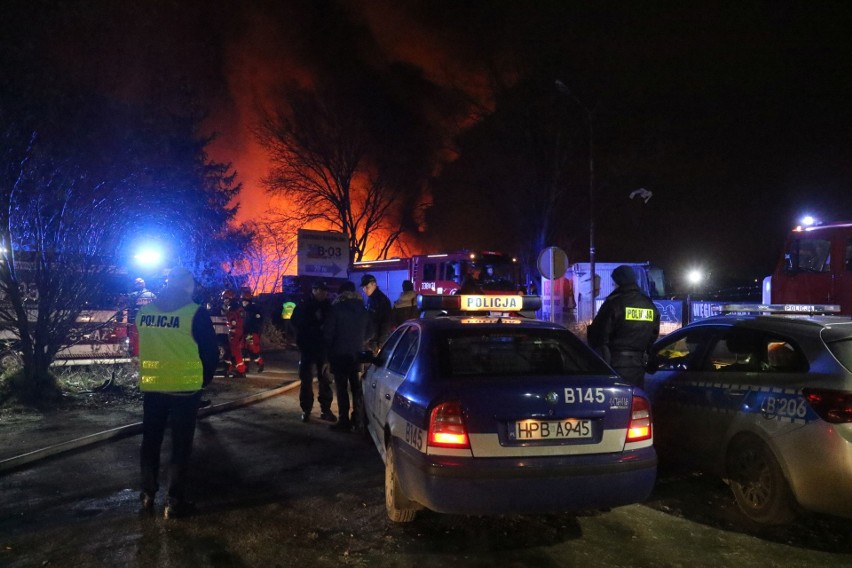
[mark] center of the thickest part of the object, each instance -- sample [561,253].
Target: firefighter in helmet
[138,298]
[141,294]
[235,316]
[252,327]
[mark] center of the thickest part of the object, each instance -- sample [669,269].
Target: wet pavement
[273,491]
[85,419]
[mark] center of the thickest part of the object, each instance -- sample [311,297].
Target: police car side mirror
[367,357]
[652,364]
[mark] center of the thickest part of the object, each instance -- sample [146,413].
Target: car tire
[399,508]
[758,483]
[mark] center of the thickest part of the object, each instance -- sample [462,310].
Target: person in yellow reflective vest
[177,356]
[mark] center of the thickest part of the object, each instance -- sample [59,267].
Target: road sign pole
[552,285]
[552,263]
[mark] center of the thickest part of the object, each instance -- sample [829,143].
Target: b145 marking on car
[413,436]
[575,395]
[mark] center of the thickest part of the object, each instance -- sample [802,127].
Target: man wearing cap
[177,356]
[626,326]
[379,322]
[308,320]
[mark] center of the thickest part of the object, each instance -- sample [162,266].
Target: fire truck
[816,268]
[442,273]
[100,334]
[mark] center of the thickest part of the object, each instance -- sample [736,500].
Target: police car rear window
[509,352]
[843,351]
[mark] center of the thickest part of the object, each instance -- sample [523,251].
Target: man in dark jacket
[626,326]
[405,307]
[380,322]
[344,337]
[308,319]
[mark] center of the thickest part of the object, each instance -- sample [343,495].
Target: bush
[29,392]
[65,383]
[89,378]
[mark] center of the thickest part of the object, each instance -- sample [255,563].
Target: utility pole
[590,115]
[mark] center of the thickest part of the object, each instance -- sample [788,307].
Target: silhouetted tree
[79,178]
[353,154]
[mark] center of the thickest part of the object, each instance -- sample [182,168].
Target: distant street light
[694,277]
[590,115]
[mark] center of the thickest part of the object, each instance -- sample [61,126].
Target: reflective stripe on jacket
[168,354]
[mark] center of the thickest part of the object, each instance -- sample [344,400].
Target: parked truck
[442,273]
[574,290]
[815,268]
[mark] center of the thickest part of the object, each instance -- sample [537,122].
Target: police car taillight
[640,420]
[446,427]
[831,405]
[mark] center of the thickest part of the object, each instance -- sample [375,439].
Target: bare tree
[54,224]
[327,164]
[70,204]
[269,256]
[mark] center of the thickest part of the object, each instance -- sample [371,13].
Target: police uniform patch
[638,314]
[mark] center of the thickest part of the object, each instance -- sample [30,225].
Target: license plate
[553,429]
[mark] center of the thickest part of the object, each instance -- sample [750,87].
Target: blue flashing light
[809,221]
[149,257]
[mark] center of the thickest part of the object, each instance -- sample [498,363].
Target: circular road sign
[552,261]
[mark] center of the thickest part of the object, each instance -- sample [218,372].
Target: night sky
[736,118]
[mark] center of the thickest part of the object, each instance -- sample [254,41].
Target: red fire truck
[442,273]
[816,268]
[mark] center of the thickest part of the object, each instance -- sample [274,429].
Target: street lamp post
[590,114]
[694,278]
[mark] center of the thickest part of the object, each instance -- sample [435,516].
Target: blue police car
[765,402]
[488,413]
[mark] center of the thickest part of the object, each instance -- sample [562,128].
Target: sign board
[322,254]
[552,262]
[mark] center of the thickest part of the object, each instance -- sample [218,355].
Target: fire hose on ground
[19,461]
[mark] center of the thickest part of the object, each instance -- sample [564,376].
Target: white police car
[765,401]
[485,414]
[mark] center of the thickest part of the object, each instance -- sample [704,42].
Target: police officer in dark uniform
[626,326]
[379,322]
[308,319]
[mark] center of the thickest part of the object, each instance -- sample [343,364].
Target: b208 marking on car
[575,395]
[772,403]
[785,407]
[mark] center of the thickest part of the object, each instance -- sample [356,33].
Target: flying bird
[642,193]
